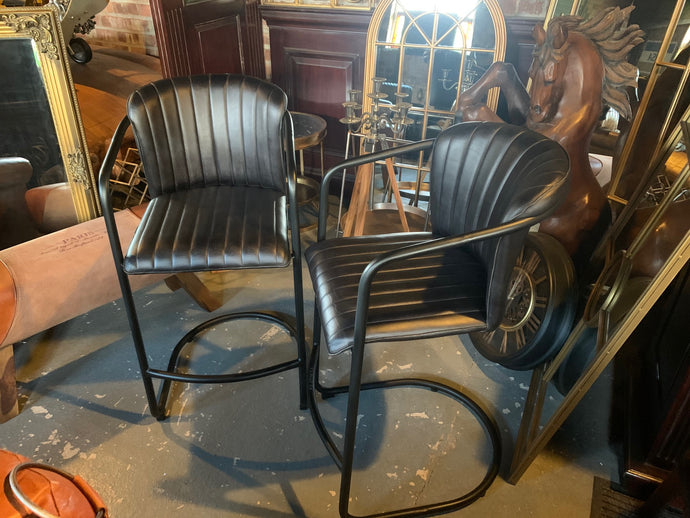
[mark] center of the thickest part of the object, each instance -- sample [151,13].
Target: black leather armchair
[217,151]
[489,184]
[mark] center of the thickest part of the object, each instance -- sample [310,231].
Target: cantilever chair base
[453,504]
[172,374]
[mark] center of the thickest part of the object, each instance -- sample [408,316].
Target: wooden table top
[309,129]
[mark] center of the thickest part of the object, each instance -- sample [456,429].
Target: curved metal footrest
[481,417]
[171,374]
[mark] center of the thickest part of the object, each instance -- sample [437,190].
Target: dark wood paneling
[252,40]
[222,32]
[655,371]
[318,83]
[318,55]
[209,36]
[520,44]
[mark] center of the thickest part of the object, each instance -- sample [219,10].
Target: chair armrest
[355,162]
[433,245]
[104,176]
[293,204]
[443,243]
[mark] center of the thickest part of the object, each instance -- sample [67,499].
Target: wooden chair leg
[9,406]
[353,222]
[366,173]
[195,288]
[396,194]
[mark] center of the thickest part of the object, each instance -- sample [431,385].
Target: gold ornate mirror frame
[42,27]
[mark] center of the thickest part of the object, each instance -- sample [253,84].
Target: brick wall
[126,25]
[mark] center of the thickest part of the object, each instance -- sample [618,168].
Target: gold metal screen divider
[531,439]
[659,63]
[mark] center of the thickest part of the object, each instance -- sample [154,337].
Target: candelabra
[372,125]
[383,124]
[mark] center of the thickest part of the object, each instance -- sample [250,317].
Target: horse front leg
[472,102]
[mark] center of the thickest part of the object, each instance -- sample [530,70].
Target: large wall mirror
[432,51]
[421,55]
[42,143]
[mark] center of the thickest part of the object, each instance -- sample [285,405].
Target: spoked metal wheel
[542,302]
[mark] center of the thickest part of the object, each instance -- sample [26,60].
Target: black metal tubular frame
[293,325]
[171,374]
[344,459]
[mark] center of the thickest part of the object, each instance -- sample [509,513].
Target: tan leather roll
[61,275]
[8,301]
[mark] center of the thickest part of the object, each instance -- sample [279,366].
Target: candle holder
[372,125]
[383,124]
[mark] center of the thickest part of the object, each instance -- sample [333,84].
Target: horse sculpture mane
[614,39]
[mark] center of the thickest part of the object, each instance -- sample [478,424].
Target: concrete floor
[247,450]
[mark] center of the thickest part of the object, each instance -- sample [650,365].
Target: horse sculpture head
[606,37]
[547,71]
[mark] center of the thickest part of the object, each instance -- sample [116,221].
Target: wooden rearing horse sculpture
[576,64]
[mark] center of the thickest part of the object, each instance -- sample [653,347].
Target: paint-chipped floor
[247,450]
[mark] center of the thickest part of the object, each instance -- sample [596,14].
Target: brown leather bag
[38,490]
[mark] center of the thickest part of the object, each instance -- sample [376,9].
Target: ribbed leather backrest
[218,129]
[484,174]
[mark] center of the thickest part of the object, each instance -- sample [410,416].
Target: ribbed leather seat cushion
[211,228]
[423,297]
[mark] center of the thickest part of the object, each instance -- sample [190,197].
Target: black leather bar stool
[489,183]
[217,151]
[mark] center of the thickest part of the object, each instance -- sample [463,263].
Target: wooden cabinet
[655,370]
[317,55]
[209,36]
